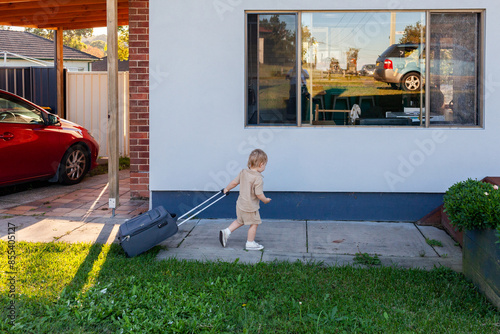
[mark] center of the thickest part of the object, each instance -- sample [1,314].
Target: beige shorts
[248,218]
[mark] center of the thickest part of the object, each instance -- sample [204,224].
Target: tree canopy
[101,45]
[123,50]
[280,39]
[413,34]
[71,38]
[98,48]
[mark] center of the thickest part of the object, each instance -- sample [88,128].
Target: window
[454,63]
[363,68]
[272,69]
[13,112]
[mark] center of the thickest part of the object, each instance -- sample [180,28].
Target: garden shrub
[473,204]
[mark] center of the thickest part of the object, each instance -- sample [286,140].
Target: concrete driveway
[87,199]
[77,213]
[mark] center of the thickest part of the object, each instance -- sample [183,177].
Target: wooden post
[59,65]
[392,36]
[113,116]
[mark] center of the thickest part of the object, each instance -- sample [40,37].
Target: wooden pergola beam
[68,20]
[6,5]
[94,24]
[71,21]
[73,11]
[56,14]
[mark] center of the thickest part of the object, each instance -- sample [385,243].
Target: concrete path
[331,242]
[79,214]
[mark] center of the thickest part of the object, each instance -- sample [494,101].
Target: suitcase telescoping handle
[219,193]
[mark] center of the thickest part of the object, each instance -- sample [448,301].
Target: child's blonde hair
[256,158]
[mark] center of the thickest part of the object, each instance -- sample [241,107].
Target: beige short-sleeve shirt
[251,185]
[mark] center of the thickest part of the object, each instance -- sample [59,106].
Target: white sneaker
[253,246]
[223,236]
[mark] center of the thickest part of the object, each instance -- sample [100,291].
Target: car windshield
[15,111]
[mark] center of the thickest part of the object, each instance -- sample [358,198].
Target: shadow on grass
[82,276]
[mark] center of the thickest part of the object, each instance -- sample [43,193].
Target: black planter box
[481,262]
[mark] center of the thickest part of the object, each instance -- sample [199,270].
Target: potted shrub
[473,207]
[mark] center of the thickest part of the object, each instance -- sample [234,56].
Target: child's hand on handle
[230,186]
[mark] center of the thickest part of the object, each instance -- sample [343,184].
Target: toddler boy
[247,206]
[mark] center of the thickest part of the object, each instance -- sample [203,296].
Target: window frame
[426,99]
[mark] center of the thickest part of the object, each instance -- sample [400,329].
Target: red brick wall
[139,97]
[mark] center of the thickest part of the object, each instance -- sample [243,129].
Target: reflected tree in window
[280,39]
[413,34]
[271,49]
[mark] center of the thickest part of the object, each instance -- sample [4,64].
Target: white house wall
[198,138]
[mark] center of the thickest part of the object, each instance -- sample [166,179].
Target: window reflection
[454,67]
[363,68]
[12,112]
[358,77]
[271,69]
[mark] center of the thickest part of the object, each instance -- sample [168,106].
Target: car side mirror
[52,119]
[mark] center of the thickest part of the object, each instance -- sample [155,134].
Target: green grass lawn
[83,288]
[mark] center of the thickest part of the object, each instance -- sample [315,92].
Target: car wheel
[74,165]
[411,82]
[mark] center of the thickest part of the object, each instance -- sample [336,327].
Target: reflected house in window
[263,44]
[365,113]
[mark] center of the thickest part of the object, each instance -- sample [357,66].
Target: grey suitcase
[145,231]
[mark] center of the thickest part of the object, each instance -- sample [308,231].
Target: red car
[37,145]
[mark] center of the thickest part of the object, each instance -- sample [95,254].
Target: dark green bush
[473,204]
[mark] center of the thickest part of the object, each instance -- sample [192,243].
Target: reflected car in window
[368,70]
[401,66]
[38,145]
